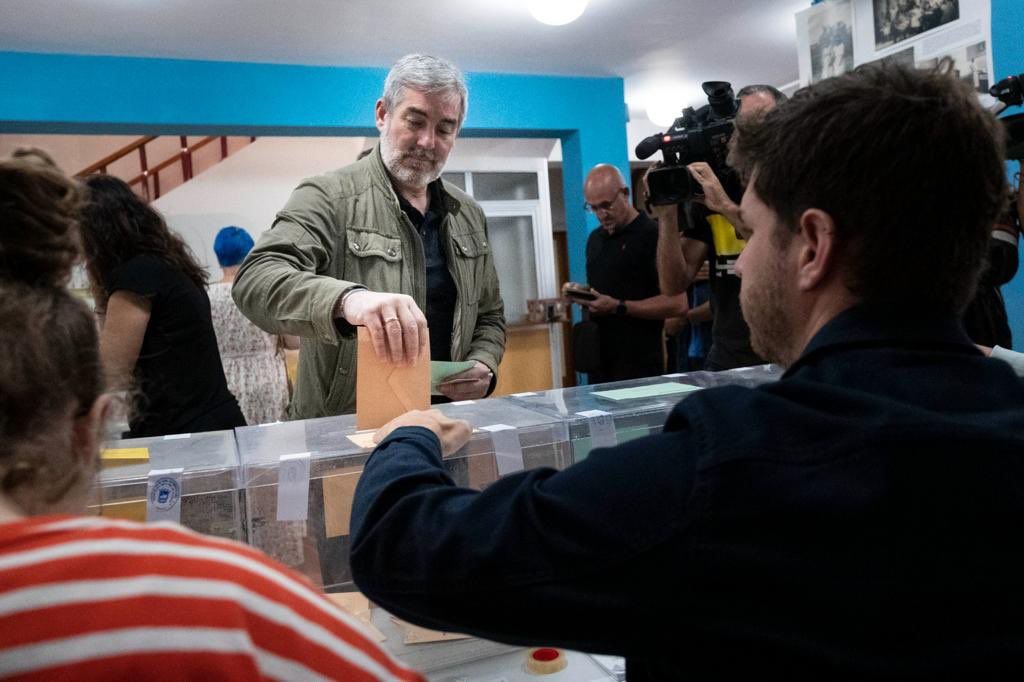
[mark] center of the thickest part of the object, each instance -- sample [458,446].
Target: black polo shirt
[624,265]
[442,294]
[730,335]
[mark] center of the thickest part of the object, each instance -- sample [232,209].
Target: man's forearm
[671,266]
[658,307]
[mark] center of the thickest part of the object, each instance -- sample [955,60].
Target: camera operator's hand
[714,197]
[602,305]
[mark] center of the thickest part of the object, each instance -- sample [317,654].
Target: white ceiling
[660,47]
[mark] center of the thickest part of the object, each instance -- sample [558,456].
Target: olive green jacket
[343,229]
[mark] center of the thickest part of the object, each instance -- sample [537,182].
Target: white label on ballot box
[293,487]
[508,451]
[602,428]
[163,495]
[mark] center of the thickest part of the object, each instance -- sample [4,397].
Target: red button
[545,654]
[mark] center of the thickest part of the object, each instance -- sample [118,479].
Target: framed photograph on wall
[825,38]
[970,64]
[898,20]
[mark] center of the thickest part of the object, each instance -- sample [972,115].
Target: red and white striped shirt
[89,598]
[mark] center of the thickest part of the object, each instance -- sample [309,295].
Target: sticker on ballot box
[508,451]
[602,428]
[293,487]
[163,495]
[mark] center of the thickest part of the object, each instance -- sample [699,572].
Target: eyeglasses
[605,205]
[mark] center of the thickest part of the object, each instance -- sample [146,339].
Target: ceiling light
[556,12]
[665,106]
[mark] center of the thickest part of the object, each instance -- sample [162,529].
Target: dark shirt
[442,295]
[730,336]
[858,519]
[985,319]
[178,377]
[624,265]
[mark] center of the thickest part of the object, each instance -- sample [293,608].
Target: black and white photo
[970,64]
[898,20]
[830,39]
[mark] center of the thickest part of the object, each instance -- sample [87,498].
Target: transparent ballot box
[300,478]
[189,478]
[607,414]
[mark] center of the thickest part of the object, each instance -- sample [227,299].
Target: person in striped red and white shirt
[89,598]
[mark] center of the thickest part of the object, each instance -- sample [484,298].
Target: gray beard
[407,176]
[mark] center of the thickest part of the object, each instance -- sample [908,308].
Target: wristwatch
[621,308]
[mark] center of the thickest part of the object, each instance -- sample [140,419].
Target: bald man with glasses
[629,309]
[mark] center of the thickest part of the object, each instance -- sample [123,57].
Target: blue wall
[1008,55]
[53,93]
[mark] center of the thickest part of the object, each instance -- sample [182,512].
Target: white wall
[249,187]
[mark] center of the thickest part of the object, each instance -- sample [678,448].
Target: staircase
[189,160]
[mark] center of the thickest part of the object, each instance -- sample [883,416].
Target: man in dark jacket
[858,519]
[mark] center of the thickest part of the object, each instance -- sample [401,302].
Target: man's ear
[817,258]
[379,113]
[88,429]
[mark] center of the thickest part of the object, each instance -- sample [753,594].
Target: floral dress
[253,361]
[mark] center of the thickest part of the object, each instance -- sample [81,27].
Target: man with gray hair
[379,243]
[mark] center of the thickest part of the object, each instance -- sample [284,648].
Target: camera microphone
[649,145]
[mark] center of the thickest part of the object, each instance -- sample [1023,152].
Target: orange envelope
[384,391]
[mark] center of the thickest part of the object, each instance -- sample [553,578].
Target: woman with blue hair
[253,360]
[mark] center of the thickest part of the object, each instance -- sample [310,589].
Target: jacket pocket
[363,244]
[472,245]
[471,251]
[374,260]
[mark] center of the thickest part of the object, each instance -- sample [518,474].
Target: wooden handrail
[172,160]
[183,156]
[116,156]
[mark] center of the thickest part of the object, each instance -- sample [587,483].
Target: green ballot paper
[441,370]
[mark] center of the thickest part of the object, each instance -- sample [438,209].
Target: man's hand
[602,305]
[453,433]
[468,385]
[396,325]
[714,197]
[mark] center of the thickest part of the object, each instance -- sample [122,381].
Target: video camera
[1010,92]
[701,135]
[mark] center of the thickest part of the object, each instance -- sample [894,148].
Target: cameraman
[713,233]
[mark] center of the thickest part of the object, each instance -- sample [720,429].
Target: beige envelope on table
[384,391]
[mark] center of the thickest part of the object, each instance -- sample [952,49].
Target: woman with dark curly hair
[157,337]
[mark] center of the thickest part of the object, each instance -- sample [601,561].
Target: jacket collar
[863,326]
